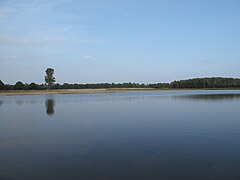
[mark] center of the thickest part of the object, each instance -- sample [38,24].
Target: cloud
[204,59]
[12,57]
[88,58]
[7,40]
[6,10]
[9,57]
[16,41]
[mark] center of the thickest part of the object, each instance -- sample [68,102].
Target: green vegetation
[49,78]
[19,86]
[2,85]
[215,82]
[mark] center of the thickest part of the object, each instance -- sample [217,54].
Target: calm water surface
[138,135]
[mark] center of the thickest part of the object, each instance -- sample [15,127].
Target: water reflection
[121,136]
[49,104]
[208,97]
[19,102]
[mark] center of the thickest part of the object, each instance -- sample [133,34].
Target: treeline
[21,86]
[215,82]
[109,85]
[33,86]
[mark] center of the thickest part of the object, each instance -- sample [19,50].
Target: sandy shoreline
[88,91]
[72,91]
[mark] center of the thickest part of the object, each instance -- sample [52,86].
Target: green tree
[19,86]
[49,78]
[2,85]
[32,86]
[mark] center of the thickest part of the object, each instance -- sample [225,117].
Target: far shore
[90,91]
[72,91]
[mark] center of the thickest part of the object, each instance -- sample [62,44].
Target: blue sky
[91,41]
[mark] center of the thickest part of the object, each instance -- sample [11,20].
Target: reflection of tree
[1,102]
[19,102]
[49,104]
[209,97]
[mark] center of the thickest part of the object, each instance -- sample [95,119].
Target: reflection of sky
[93,134]
[125,96]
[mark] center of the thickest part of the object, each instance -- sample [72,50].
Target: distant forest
[215,82]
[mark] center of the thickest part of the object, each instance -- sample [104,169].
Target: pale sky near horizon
[145,41]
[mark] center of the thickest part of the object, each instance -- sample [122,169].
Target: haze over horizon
[94,41]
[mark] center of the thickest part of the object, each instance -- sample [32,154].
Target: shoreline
[89,91]
[72,91]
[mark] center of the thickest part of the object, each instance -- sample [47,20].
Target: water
[138,135]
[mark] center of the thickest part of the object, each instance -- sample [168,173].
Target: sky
[93,41]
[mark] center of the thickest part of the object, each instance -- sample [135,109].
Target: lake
[134,135]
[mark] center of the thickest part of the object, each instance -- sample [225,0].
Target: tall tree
[49,78]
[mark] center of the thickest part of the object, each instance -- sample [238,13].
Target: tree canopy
[215,82]
[19,86]
[2,85]
[49,78]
